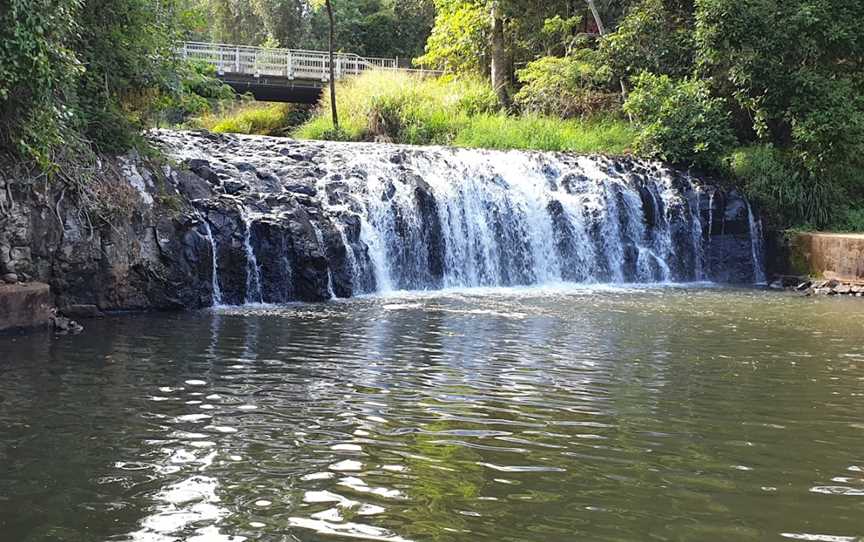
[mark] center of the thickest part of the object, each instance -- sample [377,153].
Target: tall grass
[406,108]
[607,136]
[246,117]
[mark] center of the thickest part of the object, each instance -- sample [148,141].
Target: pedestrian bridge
[282,75]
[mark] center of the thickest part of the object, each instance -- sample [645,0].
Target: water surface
[532,415]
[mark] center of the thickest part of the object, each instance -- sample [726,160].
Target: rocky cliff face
[151,254]
[253,219]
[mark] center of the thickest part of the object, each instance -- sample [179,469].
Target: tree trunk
[602,29]
[500,63]
[333,110]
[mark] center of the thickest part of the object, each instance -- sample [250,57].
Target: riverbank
[819,263]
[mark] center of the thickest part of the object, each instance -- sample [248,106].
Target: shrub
[402,107]
[783,188]
[574,86]
[245,117]
[679,120]
[37,64]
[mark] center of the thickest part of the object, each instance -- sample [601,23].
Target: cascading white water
[390,217]
[756,246]
[217,291]
[521,218]
[253,273]
[710,215]
[320,238]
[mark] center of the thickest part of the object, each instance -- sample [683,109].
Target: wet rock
[207,173]
[803,286]
[191,186]
[65,326]
[304,189]
[234,186]
[82,311]
[842,289]
[10,278]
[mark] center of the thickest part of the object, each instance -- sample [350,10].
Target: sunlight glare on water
[539,414]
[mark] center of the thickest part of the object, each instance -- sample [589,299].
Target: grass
[405,108]
[246,117]
[546,134]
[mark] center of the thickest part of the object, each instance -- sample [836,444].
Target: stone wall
[24,306]
[817,263]
[828,255]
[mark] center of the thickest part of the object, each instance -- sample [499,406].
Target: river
[538,414]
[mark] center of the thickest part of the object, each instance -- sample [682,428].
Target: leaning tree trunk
[500,64]
[333,111]
[602,29]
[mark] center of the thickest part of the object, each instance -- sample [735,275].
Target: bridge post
[237,60]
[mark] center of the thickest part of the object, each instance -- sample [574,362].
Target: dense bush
[409,109]
[249,117]
[195,92]
[572,86]
[402,107]
[90,74]
[654,36]
[679,121]
[37,70]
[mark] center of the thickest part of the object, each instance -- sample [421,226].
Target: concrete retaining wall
[828,255]
[24,306]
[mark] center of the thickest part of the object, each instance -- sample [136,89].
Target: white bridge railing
[288,63]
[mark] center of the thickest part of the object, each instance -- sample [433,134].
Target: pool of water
[535,415]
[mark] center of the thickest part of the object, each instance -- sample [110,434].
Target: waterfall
[320,239]
[389,218]
[253,273]
[710,216]
[756,246]
[217,291]
[459,218]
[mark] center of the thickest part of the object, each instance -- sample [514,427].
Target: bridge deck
[289,75]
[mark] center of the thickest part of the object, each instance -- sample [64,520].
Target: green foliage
[654,36]
[784,188]
[402,107]
[91,74]
[679,121]
[795,69]
[770,178]
[254,118]
[605,136]
[126,47]
[573,86]
[458,42]
[560,32]
[37,69]
[367,27]
[199,93]
[853,220]
[410,109]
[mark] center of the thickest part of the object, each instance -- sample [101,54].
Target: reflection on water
[548,415]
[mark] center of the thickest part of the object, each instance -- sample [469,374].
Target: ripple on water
[595,414]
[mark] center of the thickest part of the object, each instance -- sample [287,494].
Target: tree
[500,60]
[333,110]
